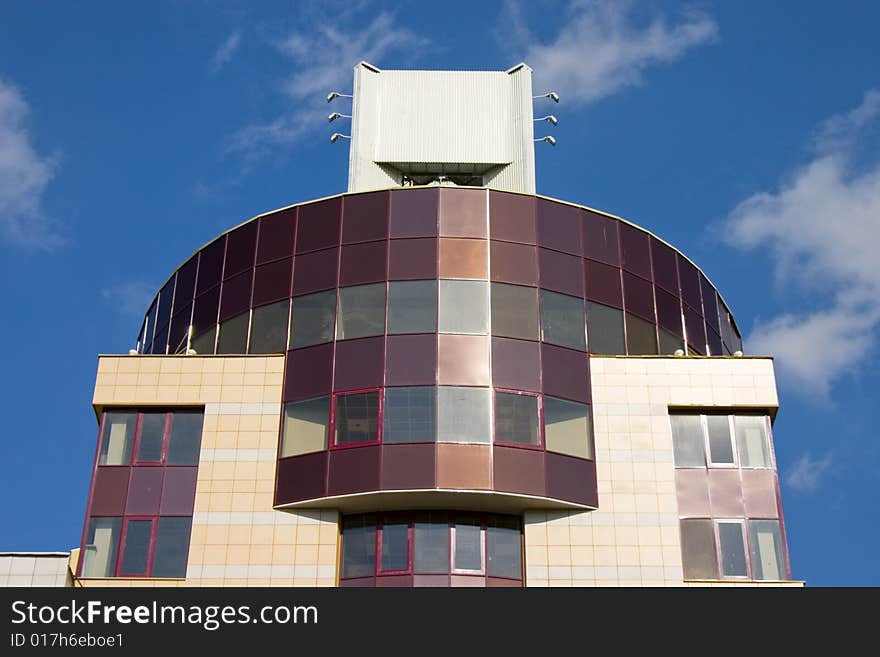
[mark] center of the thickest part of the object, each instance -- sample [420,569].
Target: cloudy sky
[746,134]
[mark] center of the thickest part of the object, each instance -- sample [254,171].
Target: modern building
[438,378]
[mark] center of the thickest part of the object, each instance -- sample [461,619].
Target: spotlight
[552,95]
[549,118]
[338,135]
[550,140]
[336,94]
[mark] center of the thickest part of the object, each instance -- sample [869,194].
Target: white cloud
[806,473]
[224,54]
[602,49]
[822,226]
[129,298]
[24,175]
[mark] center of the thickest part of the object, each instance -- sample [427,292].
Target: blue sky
[746,134]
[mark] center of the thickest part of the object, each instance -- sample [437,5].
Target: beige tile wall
[633,538]
[26,569]
[237,538]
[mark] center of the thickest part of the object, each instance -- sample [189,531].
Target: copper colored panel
[241,249]
[359,363]
[665,269]
[178,491]
[635,251]
[318,225]
[412,259]
[759,493]
[601,238]
[689,278]
[467,581]
[144,491]
[571,479]
[559,226]
[501,582]
[414,212]
[603,283]
[516,364]
[435,581]
[301,478]
[275,240]
[395,581]
[561,272]
[272,281]
[110,491]
[669,312]
[725,493]
[363,263]
[638,296]
[692,492]
[463,360]
[211,265]
[315,271]
[514,263]
[464,466]
[565,373]
[365,217]
[408,466]
[308,372]
[235,296]
[519,470]
[463,213]
[512,217]
[462,258]
[353,470]
[411,360]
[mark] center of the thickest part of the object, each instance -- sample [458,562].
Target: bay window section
[358,547]
[431,543]
[468,546]
[463,415]
[722,440]
[732,549]
[567,428]
[395,547]
[306,426]
[409,415]
[357,418]
[504,548]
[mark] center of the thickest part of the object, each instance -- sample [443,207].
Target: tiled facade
[38,569]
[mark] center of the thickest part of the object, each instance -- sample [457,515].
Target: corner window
[516,419]
[562,320]
[356,418]
[361,311]
[306,425]
[151,437]
[567,428]
[464,307]
[311,319]
[412,307]
[721,440]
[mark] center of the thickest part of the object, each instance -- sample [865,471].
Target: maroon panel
[396,581]
[301,478]
[144,491]
[359,582]
[638,295]
[512,217]
[365,217]
[669,312]
[759,493]
[166,298]
[363,263]
[179,326]
[561,272]
[665,270]
[463,213]
[211,265]
[110,491]
[635,252]
[412,259]
[186,284]
[317,225]
[235,297]
[501,582]
[160,340]
[714,340]
[272,281]
[434,581]
[241,249]
[179,491]
[696,330]
[692,492]
[519,470]
[406,467]
[205,311]
[601,238]
[565,373]
[516,364]
[359,363]
[571,479]
[559,226]
[513,263]
[603,283]
[689,277]
[353,470]
[315,271]
[710,306]
[276,236]
[467,581]
[414,213]
[411,360]
[725,493]
[309,372]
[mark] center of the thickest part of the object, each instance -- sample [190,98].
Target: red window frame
[381,521]
[507,443]
[138,435]
[380,403]
[151,547]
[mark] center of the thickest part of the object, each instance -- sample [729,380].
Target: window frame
[138,434]
[719,548]
[136,437]
[591,429]
[751,572]
[381,521]
[734,443]
[380,402]
[539,400]
[434,428]
[151,548]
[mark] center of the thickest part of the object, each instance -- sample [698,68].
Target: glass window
[412,307]
[733,549]
[431,543]
[172,547]
[752,441]
[687,441]
[463,415]
[698,549]
[185,439]
[233,335]
[516,418]
[505,548]
[311,319]
[562,320]
[606,329]
[136,551]
[102,542]
[464,307]
[269,329]
[567,428]
[468,545]
[358,547]
[152,437]
[357,418]
[361,311]
[204,343]
[641,336]
[515,311]
[669,343]
[395,546]
[305,426]
[720,445]
[765,546]
[117,437]
[409,415]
